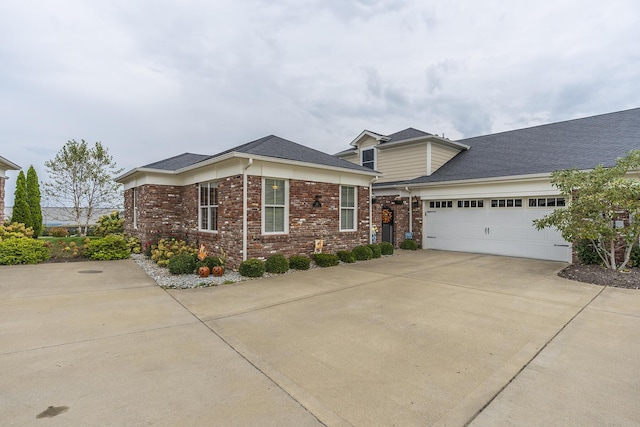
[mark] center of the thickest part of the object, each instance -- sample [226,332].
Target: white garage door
[494,226]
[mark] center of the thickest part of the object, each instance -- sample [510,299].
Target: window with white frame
[275,210]
[135,207]
[208,206]
[347,208]
[369,158]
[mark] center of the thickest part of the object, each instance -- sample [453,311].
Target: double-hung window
[369,158]
[208,206]
[275,206]
[347,208]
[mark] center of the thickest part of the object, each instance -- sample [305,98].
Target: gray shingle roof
[408,133]
[177,162]
[579,143]
[269,146]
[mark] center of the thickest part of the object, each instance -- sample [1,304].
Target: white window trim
[215,185]
[375,156]
[354,208]
[286,207]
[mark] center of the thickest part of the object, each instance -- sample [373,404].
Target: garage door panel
[499,231]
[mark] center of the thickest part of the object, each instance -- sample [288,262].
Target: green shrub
[109,224]
[346,256]
[165,249]
[134,244]
[253,267]
[299,262]
[375,250]
[411,245]
[386,248]
[17,250]
[587,253]
[108,248]
[635,256]
[16,229]
[362,253]
[182,264]
[277,264]
[326,260]
[58,232]
[210,262]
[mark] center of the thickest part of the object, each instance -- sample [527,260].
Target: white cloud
[151,79]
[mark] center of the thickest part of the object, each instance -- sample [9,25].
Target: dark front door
[387,225]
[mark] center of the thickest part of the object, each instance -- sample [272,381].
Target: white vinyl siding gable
[441,155]
[404,162]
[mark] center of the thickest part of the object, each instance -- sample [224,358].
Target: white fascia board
[308,165]
[432,138]
[8,165]
[365,132]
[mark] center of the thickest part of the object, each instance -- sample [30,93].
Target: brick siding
[400,218]
[165,211]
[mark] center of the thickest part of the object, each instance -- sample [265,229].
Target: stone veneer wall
[165,211]
[2,181]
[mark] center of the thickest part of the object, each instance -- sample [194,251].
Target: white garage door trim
[506,228]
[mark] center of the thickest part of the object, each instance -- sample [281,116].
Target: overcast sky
[153,79]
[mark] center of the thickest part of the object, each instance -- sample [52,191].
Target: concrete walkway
[421,338]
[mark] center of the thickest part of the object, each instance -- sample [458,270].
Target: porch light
[316,202]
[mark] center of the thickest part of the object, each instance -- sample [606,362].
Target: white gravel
[183,281]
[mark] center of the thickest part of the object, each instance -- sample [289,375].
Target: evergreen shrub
[253,267]
[375,250]
[108,248]
[277,264]
[362,253]
[411,245]
[386,248]
[182,264]
[326,260]
[299,262]
[346,256]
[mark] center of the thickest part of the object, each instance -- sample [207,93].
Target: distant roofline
[10,164]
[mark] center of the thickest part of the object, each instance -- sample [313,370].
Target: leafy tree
[21,212]
[599,202]
[33,199]
[82,177]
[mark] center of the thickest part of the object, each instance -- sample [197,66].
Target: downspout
[410,211]
[371,209]
[245,206]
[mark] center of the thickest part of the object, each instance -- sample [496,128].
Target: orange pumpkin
[203,271]
[217,271]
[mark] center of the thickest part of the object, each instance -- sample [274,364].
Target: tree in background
[33,200]
[603,208]
[82,177]
[21,212]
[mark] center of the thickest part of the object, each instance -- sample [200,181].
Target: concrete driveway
[421,338]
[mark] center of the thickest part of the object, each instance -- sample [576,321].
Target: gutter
[245,206]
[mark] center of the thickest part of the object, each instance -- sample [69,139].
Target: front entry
[387,225]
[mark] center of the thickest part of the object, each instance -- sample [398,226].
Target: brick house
[5,165]
[478,194]
[264,197]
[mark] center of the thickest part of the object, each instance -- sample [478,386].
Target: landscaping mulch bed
[601,276]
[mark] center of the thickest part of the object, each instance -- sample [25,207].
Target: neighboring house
[264,197]
[5,165]
[481,194]
[473,195]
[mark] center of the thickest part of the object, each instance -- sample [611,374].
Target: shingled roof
[580,143]
[269,146]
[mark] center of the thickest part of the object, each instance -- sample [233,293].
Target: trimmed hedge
[253,267]
[182,264]
[346,256]
[375,250]
[110,247]
[299,262]
[409,244]
[362,253]
[386,248]
[326,260]
[277,264]
[23,251]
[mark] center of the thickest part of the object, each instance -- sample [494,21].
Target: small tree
[21,212]
[33,199]
[83,177]
[603,208]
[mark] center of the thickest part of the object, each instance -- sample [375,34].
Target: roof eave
[10,165]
